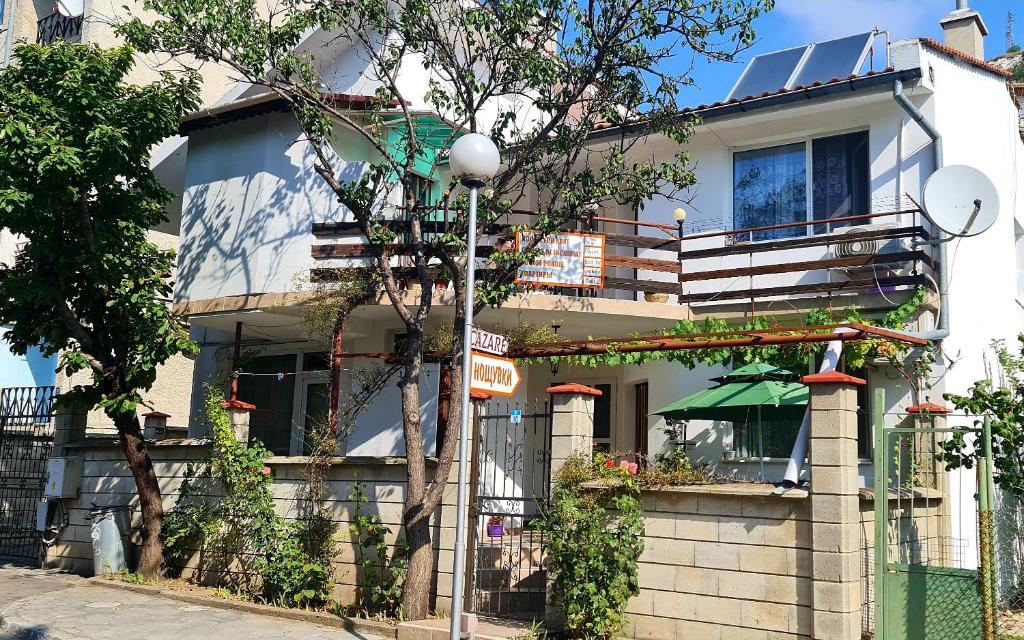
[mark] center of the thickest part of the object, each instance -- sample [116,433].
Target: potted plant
[495,529]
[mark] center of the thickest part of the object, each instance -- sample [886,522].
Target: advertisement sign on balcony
[494,375]
[565,260]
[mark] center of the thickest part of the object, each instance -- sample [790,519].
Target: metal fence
[1008,548]
[26,441]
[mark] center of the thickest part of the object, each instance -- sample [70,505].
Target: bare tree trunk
[416,595]
[135,451]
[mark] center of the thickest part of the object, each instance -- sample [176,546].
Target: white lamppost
[474,160]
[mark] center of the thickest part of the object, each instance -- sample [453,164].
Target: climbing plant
[256,553]
[790,356]
[594,539]
[1002,401]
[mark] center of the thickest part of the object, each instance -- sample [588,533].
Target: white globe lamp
[474,159]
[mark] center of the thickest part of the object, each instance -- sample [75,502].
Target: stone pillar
[238,413]
[929,415]
[835,509]
[572,422]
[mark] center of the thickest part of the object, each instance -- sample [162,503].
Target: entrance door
[511,484]
[603,417]
[640,420]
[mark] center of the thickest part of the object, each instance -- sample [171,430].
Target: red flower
[266,471]
[610,464]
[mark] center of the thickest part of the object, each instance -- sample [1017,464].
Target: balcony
[876,258]
[57,26]
[872,261]
[626,276]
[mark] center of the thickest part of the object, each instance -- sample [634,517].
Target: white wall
[250,199]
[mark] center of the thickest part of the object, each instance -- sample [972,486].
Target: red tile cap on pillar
[476,395]
[574,387]
[237,404]
[928,407]
[156,414]
[832,377]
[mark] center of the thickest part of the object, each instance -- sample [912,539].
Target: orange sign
[493,374]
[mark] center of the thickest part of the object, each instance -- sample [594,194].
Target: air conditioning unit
[852,242]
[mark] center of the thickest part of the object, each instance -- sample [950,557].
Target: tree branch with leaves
[75,183]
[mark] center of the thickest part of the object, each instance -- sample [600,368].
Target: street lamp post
[679,215]
[474,160]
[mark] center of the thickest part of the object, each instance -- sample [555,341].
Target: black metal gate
[511,486]
[26,441]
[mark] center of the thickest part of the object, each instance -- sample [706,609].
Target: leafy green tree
[75,183]
[1002,401]
[537,76]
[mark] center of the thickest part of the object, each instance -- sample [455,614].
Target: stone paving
[38,605]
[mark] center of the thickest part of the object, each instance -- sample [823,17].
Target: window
[779,436]
[841,185]
[770,186]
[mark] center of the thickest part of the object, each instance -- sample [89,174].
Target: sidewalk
[41,605]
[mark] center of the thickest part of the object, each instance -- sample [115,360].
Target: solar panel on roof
[834,59]
[802,66]
[767,72]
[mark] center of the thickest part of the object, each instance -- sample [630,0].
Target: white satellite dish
[961,200]
[71,8]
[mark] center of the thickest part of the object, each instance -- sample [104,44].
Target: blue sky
[796,22]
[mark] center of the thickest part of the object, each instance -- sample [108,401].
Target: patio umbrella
[755,389]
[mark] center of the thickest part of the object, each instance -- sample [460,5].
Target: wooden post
[336,356]
[236,358]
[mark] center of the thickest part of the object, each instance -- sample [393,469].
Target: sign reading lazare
[565,260]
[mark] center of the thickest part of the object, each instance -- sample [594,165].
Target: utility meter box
[63,477]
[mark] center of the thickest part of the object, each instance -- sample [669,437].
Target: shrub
[260,553]
[592,551]
[383,572]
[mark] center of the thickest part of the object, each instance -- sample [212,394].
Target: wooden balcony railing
[852,254]
[716,267]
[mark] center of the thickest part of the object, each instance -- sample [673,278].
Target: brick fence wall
[722,562]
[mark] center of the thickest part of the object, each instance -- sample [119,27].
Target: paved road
[37,605]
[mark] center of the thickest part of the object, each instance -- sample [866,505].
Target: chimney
[965,30]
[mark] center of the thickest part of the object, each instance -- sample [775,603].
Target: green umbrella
[755,389]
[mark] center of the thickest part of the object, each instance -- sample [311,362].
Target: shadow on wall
[249,209]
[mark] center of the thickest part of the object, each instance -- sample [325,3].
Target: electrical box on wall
[63,477]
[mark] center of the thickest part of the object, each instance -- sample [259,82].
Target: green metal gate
[927,558]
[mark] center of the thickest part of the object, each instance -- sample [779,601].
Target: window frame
[806,140]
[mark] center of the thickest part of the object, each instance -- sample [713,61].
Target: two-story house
[801,154]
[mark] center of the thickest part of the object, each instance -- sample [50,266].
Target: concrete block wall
[723,562]
[107,481]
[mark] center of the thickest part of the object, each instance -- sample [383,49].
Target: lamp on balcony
[679,215]
[474,159]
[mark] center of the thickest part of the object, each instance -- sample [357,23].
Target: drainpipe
[12,12]
[942,330]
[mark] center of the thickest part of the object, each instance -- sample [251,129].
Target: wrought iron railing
[57,26]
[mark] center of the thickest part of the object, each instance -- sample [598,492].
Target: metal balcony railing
[57,26]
